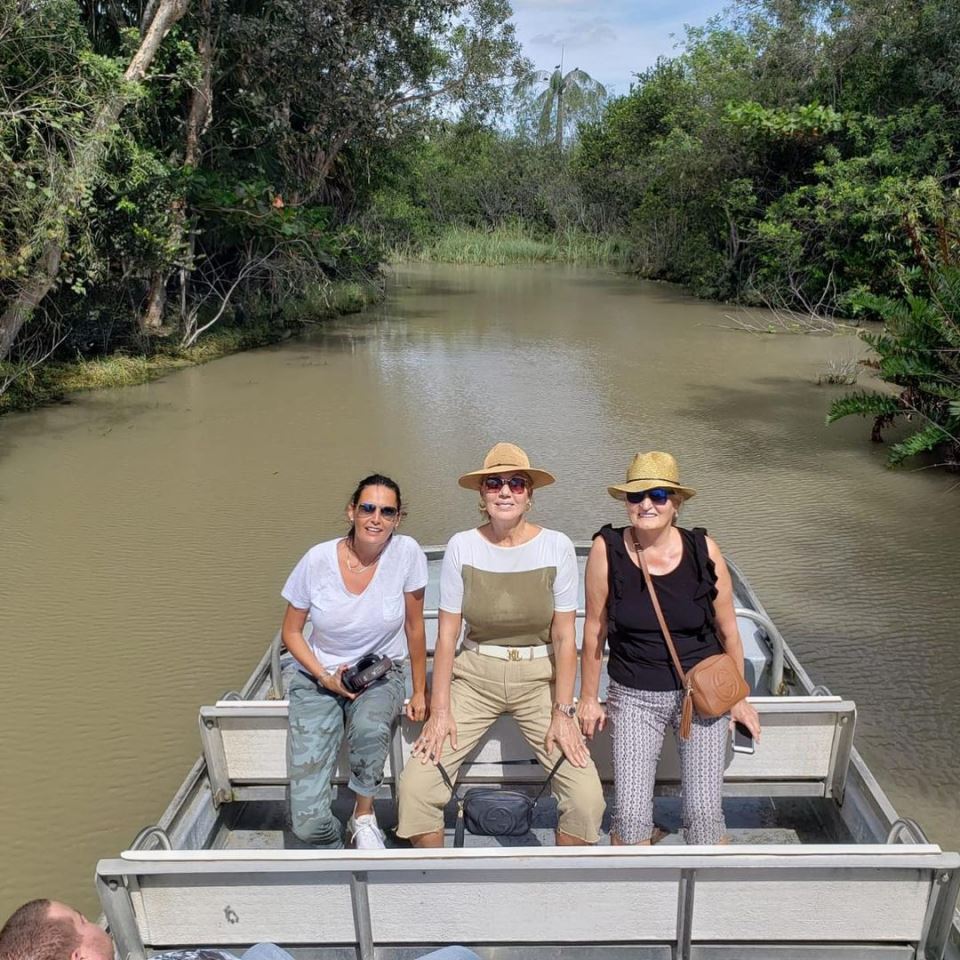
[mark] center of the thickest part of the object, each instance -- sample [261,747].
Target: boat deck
[265,825]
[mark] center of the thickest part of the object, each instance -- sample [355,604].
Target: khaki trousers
[482,689]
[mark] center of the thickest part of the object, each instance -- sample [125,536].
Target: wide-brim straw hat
[648,470]
[506,458]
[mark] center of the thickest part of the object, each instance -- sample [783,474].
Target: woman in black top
[694,588]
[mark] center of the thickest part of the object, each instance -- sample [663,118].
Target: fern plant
[918,351]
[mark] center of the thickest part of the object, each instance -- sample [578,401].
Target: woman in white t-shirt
[363,593]
[514,585]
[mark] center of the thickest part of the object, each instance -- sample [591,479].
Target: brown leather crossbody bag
[711,687]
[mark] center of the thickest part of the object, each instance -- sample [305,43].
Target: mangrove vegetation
[174,169]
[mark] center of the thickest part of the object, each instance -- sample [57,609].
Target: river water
[145,532]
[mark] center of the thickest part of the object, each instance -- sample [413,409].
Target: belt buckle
[513,653]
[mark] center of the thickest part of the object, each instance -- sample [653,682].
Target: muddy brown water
[145,532]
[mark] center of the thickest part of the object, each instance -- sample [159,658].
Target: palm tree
[566,94]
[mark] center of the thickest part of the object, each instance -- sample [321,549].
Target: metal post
[211,737]
[361,914]
[118,909]
[836,782]
[688,879]
[936,928]
[396,754]
[276,671]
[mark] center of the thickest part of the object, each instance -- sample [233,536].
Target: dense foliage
[919,352]
[797,154]
[168,164]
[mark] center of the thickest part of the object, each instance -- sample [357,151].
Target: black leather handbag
[492,812]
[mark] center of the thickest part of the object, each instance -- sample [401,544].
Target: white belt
[509,653]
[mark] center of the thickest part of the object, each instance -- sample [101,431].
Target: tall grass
[515,243]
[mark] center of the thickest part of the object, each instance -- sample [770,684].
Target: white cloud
[577,35]
[609,39]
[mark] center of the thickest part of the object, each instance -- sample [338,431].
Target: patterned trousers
[638,721]
[319,721]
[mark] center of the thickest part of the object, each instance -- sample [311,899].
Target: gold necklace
[361,566]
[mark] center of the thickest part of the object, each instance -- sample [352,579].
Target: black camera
[365,671]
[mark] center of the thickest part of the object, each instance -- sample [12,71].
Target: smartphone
[742,739]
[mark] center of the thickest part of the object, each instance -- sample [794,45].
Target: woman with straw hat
[645,694]
[514,583]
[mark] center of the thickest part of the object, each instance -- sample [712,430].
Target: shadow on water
[94,413]
[623,285]
[407,285]
[764,410]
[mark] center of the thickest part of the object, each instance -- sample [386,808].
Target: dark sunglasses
[658,496]
[516,484]
[388,513]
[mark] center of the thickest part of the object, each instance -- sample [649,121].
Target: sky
[610,39]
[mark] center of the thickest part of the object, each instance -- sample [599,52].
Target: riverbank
[53,381]
[514,243]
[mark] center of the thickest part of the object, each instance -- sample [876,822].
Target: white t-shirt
[508,595]
[345,625]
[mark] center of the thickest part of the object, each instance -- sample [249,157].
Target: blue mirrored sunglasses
[658,496]
[389,513]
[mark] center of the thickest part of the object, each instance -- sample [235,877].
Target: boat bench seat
[883,901]
[804,751]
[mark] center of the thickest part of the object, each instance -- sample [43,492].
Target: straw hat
[506,458]
[647,470]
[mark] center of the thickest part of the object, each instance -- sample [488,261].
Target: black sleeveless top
[639,657]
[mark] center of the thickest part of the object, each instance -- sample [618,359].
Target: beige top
[508,595]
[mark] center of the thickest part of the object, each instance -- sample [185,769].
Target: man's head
[48,930]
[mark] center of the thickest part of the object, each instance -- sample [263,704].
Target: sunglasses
[658,496]
[388,513]
[516,484]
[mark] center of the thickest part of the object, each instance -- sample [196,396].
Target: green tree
[73,171]
[226,164]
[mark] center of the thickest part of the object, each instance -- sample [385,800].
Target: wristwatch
[569,710]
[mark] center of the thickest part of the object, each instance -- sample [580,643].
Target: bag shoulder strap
[656,609]
[446,779]
[546,782]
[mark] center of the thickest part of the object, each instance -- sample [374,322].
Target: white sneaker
[364,832]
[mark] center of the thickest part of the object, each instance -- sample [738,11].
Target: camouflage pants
[319,720]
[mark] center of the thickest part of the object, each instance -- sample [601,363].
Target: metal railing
[151,833]
[775,639]
[908,826]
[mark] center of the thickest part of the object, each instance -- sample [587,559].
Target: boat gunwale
[863,792]
[707,857]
